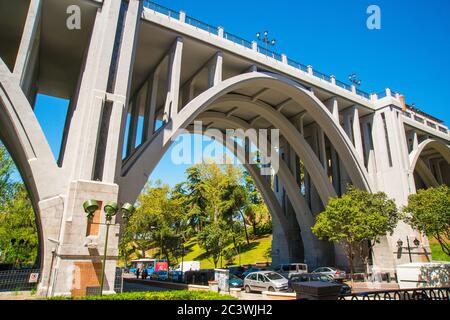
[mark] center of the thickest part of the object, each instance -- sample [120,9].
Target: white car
[330,271]
[265,281]
[286,270]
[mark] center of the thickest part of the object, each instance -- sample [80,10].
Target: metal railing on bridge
[247,44]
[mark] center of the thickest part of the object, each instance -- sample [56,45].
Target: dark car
[235,282]
[308,277]
[237,271]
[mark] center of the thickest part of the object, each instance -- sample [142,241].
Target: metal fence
[118,280]
[19,280]
[407,294]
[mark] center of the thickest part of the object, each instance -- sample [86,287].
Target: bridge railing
[237,40]
[270,53]
[161,9]
[201,25]
[249,45]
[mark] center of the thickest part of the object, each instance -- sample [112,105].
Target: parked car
[330,271]
[235,281]
[287,270]
[237,271]
[265,281]
[251,270]
[296,279]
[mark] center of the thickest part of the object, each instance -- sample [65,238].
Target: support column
[81,144]
[27,60]
[29,35]
[215,70]
[150,106]
[333,107]
[113,157]
[132,132]
[357,133]
[173,80]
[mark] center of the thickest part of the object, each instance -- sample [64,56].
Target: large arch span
[139,166]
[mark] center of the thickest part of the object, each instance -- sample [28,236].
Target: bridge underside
[135,77]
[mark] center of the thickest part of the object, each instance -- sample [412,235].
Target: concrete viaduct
[134,59]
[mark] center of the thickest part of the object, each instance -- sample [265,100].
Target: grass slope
[436,251]
[257,251]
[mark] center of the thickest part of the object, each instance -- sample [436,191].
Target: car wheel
[290,290]
[271,289]
[247,289]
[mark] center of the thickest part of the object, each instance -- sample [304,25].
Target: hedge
[161,295]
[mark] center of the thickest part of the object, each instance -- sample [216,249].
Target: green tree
[6,170]
[18,231]
[357,220]
[157,222]
[429,212]
[213,239]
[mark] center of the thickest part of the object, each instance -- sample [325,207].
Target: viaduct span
[134,59]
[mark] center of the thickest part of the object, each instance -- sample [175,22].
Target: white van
[188,266]
[292,268]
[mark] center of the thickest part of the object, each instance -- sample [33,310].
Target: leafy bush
[164,295]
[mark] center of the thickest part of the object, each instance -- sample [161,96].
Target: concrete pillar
[81,143]
[333,107]
[132,131]
[333,79]
[78,260]
[348,125]
[220,32]
[150,106]
[215,70]
[357,133]
[182,16]
[173,79]
[26,60]
[113,155]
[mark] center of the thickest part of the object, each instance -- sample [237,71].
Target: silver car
[265,281]
[330,271]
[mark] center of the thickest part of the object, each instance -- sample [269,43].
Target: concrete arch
[314,249]
[139,166]
[440,147]
[24,138]
[419,166]
[270,200]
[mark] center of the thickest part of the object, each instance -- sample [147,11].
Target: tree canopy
[356,220]
[429,212]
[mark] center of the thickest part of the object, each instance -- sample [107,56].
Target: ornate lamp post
[353,79]
[265,39]
[416,243]
[111,209]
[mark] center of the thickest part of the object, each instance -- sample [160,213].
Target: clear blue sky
[410,54]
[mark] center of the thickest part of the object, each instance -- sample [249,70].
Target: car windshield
[273,276]
[234,277]
[323,278]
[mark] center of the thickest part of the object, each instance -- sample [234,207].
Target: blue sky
[410,54]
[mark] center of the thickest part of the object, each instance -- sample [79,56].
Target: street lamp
[416,242]
[353,79]
[266,39]
[111,209]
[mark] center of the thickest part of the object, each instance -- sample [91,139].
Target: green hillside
[258,250]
